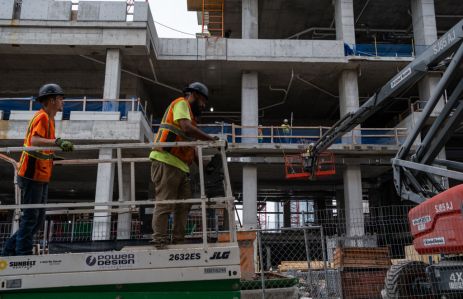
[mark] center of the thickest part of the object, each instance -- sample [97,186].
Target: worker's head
[197,94]
[51,95]
[285,121]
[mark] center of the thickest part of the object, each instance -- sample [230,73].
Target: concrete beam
[344,20]
[251,50]
[52,33]
[249,19]
[85,130]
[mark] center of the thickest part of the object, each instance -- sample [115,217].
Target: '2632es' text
[184,256]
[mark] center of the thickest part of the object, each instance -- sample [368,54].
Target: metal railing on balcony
[123,106]
[236,134]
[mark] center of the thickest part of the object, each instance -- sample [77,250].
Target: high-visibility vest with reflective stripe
[37,165]
[169,131]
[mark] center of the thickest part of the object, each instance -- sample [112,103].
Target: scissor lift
[204,270]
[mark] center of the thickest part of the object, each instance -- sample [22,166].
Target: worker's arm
[193,131]
[39,141]
[65,145]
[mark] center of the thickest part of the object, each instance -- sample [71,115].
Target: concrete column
[124,219]
[249,197]
[344,20]
[424,24]
[249,106]
[353,203]
[287,213]
[112,79]
[349,102]
[249,117]
[104,193]
[249,19]
[348,92]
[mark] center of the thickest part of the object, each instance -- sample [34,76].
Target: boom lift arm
[411,184]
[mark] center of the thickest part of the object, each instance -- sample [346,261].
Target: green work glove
[65,145]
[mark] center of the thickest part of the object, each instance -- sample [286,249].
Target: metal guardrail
[122,206]
[134,104]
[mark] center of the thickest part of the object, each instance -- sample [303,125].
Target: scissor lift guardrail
[174,268]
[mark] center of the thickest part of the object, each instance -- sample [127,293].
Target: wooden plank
[302,265]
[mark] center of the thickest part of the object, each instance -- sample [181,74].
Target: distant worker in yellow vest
[170,166]
[285,131]
[35,168]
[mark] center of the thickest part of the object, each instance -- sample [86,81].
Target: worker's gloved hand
[65,145]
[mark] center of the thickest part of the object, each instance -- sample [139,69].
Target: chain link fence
[374,252]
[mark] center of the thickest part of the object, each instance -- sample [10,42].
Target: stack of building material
[362,271]
[285,266]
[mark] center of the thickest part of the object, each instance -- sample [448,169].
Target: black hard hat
[49,89]
[199,88]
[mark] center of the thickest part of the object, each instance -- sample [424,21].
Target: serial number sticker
[184,256]
[215,270]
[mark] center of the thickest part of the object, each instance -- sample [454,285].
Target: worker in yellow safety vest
[170,166]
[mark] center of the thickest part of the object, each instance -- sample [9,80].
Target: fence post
[309,270]
[261,261]
[138,104]
[31,101]
[322,236]
[396,136]
[133,104]
[84,106]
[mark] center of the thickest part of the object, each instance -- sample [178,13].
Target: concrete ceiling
[312,83]
[280,19]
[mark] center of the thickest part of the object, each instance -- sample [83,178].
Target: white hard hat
[285,120]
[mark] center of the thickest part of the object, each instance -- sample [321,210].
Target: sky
[173,13]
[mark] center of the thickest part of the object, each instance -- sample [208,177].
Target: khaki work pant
[169,183]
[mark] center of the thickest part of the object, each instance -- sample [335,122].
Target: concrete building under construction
[308,61]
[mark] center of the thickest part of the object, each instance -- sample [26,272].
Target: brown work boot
[159,245]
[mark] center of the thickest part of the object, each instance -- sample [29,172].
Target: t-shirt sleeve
[181,110]
[40,126]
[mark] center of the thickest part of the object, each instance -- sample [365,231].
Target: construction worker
[260,134]
[285,131]
[35,168]
[170,166]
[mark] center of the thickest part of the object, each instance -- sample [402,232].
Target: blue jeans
[32,192]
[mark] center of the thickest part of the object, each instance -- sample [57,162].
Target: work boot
[159,245]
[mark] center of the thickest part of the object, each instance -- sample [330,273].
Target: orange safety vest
[169,131]
[37,165]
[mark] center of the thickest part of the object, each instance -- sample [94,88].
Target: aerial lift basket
[296,166]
